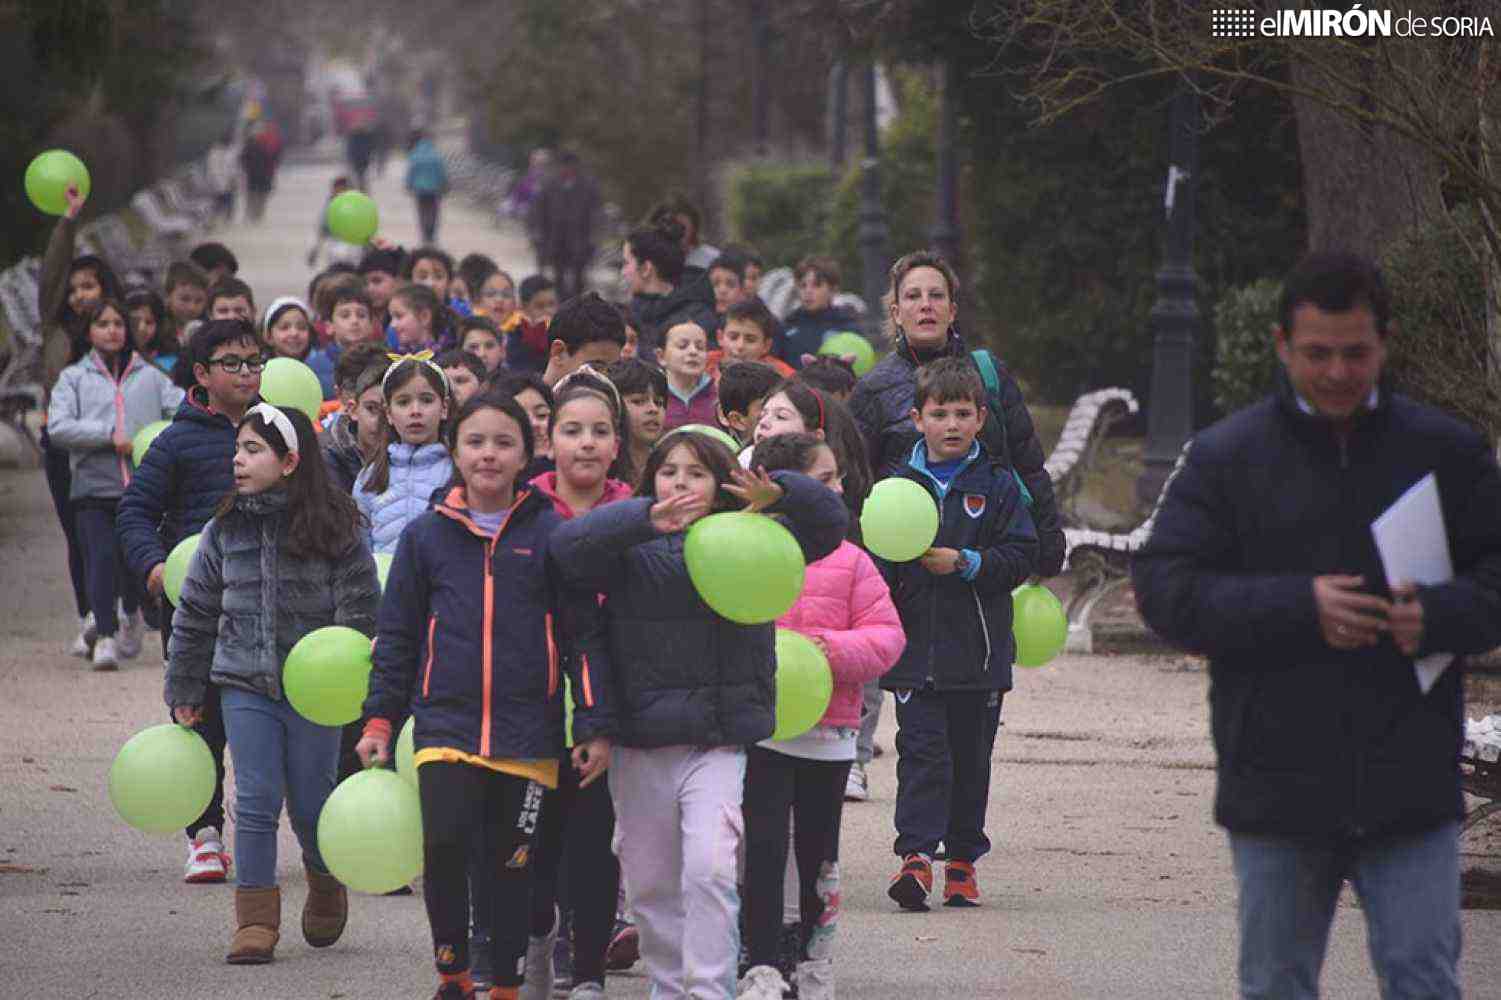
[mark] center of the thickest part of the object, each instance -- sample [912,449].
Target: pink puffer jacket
[845,604]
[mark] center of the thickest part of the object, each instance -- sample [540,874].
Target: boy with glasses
[183,476]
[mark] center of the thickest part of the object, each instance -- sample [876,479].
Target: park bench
[167,226]
[1480,767]
[20,390]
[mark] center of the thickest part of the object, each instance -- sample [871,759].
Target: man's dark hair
[388,261]
[634,377]
[671,207]
[215,333]
[229,288]
[426,253]
[355,360]
[584,320]
[533,285]
[746,251]
[661,246]
[743,382]
[832,375]
[949,380]
[753,310]
[463,359]
[1335,282]
[211,255]
[512,383]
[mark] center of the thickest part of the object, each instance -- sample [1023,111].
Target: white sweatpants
[677,830]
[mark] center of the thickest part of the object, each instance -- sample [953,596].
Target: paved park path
[1108,878]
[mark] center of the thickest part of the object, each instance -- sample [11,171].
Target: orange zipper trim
[552,656]
[588,682]
[427,673]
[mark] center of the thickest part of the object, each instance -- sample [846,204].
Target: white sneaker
[587,990]
[87,634]
[815,979]
[857,786]
[105,657]
[207,861]
[131,627]
[538,976]
[762,982]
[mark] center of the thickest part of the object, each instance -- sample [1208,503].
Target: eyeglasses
[232,363]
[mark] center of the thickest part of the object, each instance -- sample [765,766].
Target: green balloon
[48,177]
[745,566]
[176,570]
[144,437]
[899,521]
[1038,624]
[406,753]
[383,568]
[711,432]
[162,778]
[288,382]
[327,675]
[847,342]
[353,217]
[804,684]
[370,831]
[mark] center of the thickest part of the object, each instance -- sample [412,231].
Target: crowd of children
[532,468]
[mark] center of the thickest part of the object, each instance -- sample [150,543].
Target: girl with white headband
[324,575]
[398,485]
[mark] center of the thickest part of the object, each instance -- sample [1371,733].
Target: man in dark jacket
[187,470]
[1333,761]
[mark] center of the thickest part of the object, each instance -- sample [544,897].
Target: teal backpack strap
[992,379]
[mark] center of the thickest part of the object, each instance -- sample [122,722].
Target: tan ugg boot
[326,911]
[258,913]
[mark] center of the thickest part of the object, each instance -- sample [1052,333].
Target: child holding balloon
[846,609]
[955,604]
[467,643]
[284,514]
[398,485]
[94,412]
[695,689]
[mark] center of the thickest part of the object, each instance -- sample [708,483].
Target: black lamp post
[946,233]
[760,73]
[874,259]
[838,104]
[1175,315]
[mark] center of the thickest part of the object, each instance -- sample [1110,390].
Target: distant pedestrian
[427,180]
[567,212]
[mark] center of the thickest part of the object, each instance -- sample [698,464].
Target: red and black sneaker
[959,885]
[911,886]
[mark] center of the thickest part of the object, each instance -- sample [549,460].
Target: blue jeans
[1409,890]
[278,756]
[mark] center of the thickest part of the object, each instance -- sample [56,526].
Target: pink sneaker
[207,860]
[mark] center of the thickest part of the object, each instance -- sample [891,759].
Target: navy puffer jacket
[185,473]
[1315,742]
[684,675]
[882,408]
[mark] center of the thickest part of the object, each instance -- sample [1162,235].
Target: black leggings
[573,840]
[60,483]
[456,798]
[777,784]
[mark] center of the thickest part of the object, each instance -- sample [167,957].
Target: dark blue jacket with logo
[474,630]
[1314,742]
[959,630]
[187,470]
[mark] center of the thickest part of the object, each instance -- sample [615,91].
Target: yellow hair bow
[421,358]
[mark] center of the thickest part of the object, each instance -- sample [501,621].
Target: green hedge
[781,209]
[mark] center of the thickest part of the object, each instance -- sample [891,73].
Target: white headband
[279,420]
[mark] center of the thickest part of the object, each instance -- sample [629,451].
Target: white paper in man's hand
[1414,548]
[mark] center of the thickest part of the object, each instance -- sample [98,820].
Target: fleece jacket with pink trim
[846,605]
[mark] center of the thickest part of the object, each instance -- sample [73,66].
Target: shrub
[1245,362]
[780,208]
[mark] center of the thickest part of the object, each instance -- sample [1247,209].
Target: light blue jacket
[416,472]
[88,405]
[426,173]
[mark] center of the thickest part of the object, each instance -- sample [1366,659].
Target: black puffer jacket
[246,601]
[684,675]
[1315,742]
[692,301]
[882,407]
